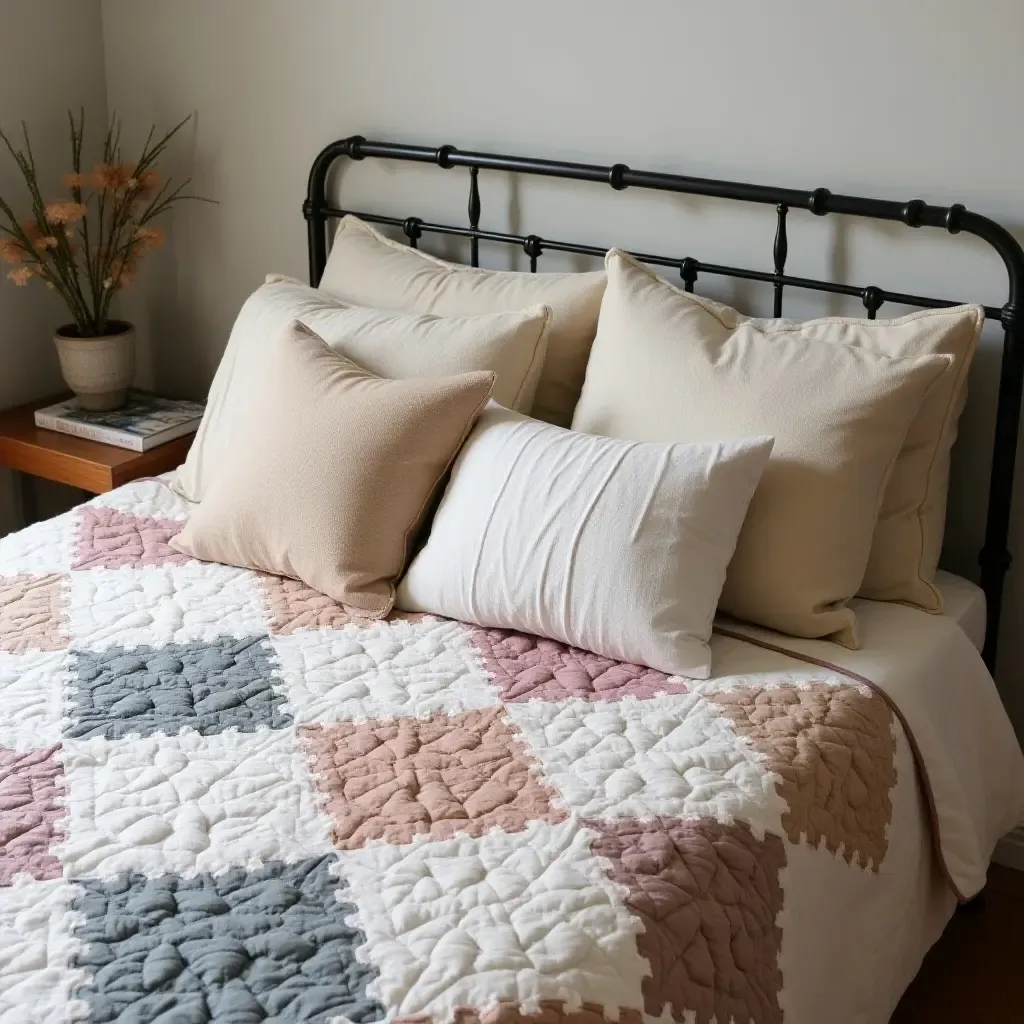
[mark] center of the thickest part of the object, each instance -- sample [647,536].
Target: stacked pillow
[768,469]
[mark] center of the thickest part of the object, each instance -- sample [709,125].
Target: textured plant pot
[98,370]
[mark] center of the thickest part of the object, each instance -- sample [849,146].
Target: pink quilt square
[438,776]
[531,668]
[110,539]
[33,614]
[29,812]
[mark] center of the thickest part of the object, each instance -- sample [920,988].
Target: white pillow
[616,547]
[369,269]
[388,344]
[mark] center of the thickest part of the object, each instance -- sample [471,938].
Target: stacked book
[145,422]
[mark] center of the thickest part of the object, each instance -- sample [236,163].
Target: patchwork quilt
[223,799]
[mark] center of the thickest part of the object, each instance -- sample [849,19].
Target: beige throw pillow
[367,268]
[388,344]
[332,470]
[668,366]
[908,536]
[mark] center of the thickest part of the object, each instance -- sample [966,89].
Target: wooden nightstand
[88,465]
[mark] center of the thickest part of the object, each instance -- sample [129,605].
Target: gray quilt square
[208,686]
[245,947]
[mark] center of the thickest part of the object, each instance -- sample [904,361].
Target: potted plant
[87,246]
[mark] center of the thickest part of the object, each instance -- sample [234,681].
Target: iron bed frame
[994,558]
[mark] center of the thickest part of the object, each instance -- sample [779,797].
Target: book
[145,422]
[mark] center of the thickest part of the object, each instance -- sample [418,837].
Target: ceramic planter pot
[98,370]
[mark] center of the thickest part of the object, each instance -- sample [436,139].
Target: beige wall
[893,100]
[51,59]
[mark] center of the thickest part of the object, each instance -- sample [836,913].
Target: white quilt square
[152,497]
[674,755]
[382,670]
[40,549]
[161,605]
[538,902]
[189,803]
[36,980]
[32,685]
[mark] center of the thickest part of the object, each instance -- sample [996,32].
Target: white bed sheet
[964,602]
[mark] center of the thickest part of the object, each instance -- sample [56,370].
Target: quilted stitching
[390,669]
[110,539]
[833,750]
[529,667]
[29,812]
[209,687]
[505,917]
[32,614]
[396,780]
[222,730]
[709,898]
[238,947]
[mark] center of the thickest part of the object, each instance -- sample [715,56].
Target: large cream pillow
[367,268]
[387,343]
[667,365]
[908,536]
[332,471]
[616,547]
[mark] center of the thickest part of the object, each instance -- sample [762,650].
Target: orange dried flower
[111,176]
[64,211]
[149,238]
[12,251]
[75,180]
[20,276]
[46,242]
[149,182]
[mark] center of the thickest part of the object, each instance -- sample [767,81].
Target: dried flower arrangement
[88,246]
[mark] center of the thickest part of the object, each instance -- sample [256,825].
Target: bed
[227,799]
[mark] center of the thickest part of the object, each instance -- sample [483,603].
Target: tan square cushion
[388,343]
[908,536]
[367,268]
[668,366]
[332,470]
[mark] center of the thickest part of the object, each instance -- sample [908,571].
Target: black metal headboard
[995,557]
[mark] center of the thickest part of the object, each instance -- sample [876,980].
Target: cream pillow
[668,366]
[332,470]
[907,541]
[366,268]
[616,547]
[386,343]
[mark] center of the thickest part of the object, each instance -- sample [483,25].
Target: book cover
[145,422]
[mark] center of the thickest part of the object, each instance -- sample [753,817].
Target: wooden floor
[975,973]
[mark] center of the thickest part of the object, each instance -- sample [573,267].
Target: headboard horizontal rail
[526,242]
[994,558]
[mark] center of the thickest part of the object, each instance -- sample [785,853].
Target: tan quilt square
[437,776]
[33,614]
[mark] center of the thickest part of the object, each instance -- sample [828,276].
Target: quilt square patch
[189,803]
[36,976]
[108,538]
[293,606]
[170,604]
[436,776]
[388,669]
[517,917]
[675,755]
[267,944]
[41,549]
[708,895]
[531,668]
[209,687]
[30,808]
[33,613]
[33,698]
